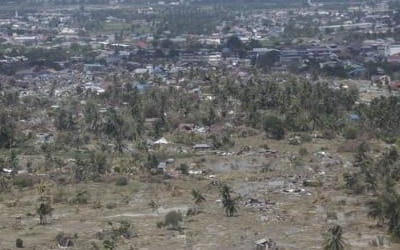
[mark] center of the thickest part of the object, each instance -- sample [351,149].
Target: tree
[7,130]
[13,161]
[230,208]
[361,158]
[43,211]
[166,44]
[44,208]
[333,239]
[173,220]
[228,202]
[274,127]
[114,126]
[268,59]
[64,120]
[91,116]
[152,162]
[386,208]
[376,210]
[254,44]
[99,163]
[234,44]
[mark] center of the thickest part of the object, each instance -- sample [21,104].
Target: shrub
[303,151]
[331,215]
[23,181]
[192,212]
[388,138]
[19,243]
[306,138]
[109,244]
[121,181]
[59,196]
[124,230]
[173,220]
[97,204]
[265,146]
[111,205]
[352,146]
[350,133]
[222,140]
[184,168]
[94,246]
[354,183]
[328,134]
[81,198]
[160,224]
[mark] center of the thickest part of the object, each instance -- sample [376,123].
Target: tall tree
[7,130]
[229,203]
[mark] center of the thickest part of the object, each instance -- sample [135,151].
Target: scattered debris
[271,218]
[64,241]
[43,138]
[257,204]
[294,190]
[312,183]
[295,140]
[326,159]
[6,170]
[265,244]
[244,149]
[202,147]
[222,153]
[195,172]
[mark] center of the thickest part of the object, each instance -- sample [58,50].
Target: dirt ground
[295,217]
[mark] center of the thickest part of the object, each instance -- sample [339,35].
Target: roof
[202,146]
[263,50]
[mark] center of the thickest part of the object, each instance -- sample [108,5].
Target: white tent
[162,140]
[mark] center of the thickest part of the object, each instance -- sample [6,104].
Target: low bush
[350,133]
[19,243]
[23,181]
[121,181]
[80,198]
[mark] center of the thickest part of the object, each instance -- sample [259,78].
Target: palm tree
[43,211]
[230,208]
[333,239]
[226,194]
[386,208]
[377,210]
[227,201]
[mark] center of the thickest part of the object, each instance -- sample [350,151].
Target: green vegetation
[197,197]
[229,203]
[172,221]
[138,113]
[19,243]
[333,239]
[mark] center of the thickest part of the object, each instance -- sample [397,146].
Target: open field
[295,220]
